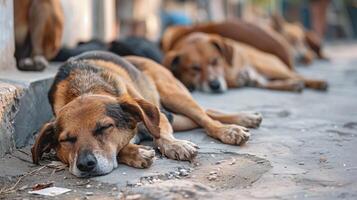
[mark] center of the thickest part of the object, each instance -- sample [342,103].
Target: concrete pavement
[305,149]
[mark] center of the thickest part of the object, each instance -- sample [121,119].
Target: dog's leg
[39,35]
[46,27]
[176,98]
[138,156]
[251,77]
[283,85]
[285,78]
[313,83]
[171,147]
[183,123]
[247,119]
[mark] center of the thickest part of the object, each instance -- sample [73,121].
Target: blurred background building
[111,19]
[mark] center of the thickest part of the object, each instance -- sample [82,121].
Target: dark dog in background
[129,46]
[38,32]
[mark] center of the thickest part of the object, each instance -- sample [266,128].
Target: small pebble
[133,197]
[219,162]
[233,162]
[88,186]
[323,159]
[183,172]
[89,193]
[212,172]
[212,177]
[23,187]
[120,196]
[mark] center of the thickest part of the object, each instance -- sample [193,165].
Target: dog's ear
[172,61]
[277,22]
[44,142]
[145,112]
[225,49]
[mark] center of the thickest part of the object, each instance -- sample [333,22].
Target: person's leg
[318,9]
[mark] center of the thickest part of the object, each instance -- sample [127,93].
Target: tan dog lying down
[213,63]
[263,39]
[101,101]
[305,45]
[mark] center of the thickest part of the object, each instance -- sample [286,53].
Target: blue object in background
[174,18]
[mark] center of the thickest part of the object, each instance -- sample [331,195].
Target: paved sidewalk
[305,149]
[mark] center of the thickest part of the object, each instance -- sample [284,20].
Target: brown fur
[99,103]
[305,44]
[238,30]
[238,64]
[38,32]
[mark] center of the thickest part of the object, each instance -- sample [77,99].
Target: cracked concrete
[305,149]
[24,106]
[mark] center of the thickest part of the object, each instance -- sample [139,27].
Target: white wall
[78,21]
[7,44]
[87,19]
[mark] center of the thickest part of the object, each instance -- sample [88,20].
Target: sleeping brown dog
[38,32]
[266,40]
[102,101]
[306,45]
[212,63]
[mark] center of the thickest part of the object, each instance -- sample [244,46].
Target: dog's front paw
[296,86]
[322,85]
[249,119]
[40,62]
[233,134]
[177,149]
[138,156]
[144,158]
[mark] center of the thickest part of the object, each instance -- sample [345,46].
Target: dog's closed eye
[196,68]
[69,139]
[214,61]
[101,128]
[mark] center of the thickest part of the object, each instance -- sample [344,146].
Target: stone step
[24,106]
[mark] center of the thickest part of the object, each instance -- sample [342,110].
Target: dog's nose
[86,161]
[215,85]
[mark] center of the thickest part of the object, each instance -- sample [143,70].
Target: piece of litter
[51,191]
[41,186]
